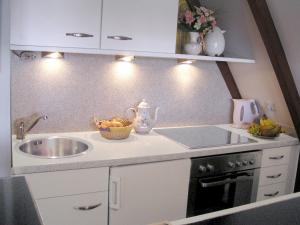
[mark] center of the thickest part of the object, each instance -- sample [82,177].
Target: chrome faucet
[21,130]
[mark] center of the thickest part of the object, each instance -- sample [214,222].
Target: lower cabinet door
[84,209]
[149,193]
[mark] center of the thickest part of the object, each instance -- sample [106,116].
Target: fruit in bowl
[116,128]
[266,128]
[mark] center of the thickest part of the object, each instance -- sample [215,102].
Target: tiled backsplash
[72,90]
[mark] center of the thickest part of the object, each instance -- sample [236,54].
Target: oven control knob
[252,162]
[238,164]
[202,169]
[210,168]
[231,165]
[245,162]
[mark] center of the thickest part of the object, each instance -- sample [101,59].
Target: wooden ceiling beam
[229,80]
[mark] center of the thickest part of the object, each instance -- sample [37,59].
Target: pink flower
[202,19]
[189,17]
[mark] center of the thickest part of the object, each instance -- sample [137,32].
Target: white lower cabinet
[149,193]
[84,209]
[74,197]
[278,172]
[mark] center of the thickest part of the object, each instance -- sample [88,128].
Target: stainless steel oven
[224,181]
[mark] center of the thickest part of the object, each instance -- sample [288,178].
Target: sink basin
[54,147]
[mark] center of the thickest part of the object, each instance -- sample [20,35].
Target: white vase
[193,47]
[215,42]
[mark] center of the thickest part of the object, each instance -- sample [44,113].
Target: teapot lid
[143,104]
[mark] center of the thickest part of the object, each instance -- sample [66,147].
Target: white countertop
[136,149]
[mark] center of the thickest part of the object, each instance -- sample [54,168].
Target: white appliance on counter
[147,193]
[5,133]
[245,112]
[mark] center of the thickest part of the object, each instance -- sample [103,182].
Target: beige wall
[259,80]
[72,90]
[286,18]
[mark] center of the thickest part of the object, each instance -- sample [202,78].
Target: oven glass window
[221,192]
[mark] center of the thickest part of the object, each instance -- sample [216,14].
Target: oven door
[221,192]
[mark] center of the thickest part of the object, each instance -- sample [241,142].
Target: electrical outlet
[270,107]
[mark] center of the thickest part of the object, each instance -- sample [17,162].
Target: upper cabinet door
[56,23]
[139,25]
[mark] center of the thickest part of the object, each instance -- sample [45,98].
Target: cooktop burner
[204,136]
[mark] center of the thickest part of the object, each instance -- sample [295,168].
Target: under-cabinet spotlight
[185,61]
[128,58]
[53,55]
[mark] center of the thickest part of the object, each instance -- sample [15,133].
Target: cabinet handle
[275,176]
[272,195]
[87,208]
[115,193]
[119,38]
[81,35]
[277,157]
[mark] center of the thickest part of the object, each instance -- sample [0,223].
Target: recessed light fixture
[128,58]
[185,61]
[53,55]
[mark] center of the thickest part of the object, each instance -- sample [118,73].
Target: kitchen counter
[283,210]
[16,204]
[136,149]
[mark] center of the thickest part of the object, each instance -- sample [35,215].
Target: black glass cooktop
[204,136]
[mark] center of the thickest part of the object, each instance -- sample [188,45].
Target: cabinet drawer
[270,191]
[75,210]
[276,156]
[71,182]
[273,175]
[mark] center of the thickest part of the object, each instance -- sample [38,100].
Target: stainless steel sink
[55,147]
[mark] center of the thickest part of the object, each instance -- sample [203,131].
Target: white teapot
[143,122]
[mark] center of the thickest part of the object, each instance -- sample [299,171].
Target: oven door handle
[226,181]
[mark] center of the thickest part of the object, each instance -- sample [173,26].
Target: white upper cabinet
[139,25]
[56,23]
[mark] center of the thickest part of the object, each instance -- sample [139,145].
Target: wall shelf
[134,53]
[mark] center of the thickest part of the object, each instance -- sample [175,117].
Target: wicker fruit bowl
[114,129]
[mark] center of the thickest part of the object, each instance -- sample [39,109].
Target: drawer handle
[277,157]
[87,208]
[120,38]
[272,195]
[275,176]
[81,35]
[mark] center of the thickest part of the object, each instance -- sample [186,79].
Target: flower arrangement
[197,19]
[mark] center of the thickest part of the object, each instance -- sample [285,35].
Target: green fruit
[254,129]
